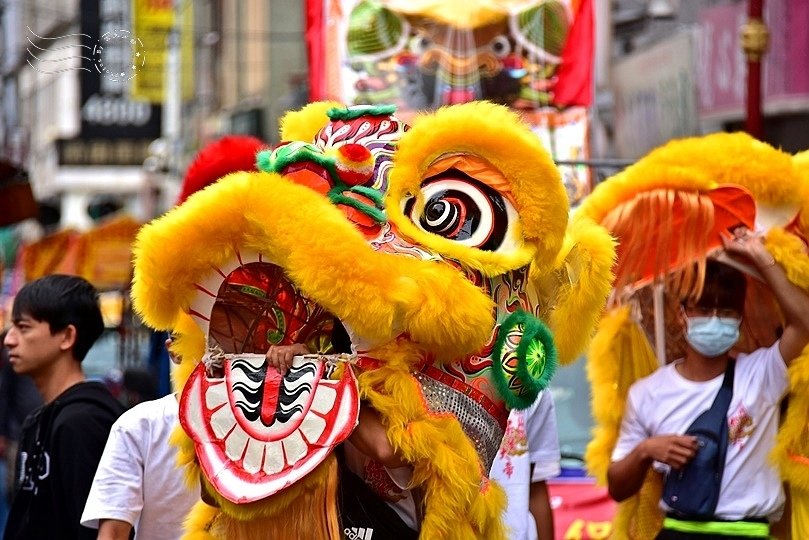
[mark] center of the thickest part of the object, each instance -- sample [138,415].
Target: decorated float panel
[534,56]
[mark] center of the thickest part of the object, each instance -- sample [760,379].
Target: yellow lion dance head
[445,251]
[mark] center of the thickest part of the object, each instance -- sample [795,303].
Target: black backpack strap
[693,492]
[716,418]
[722,400]
[717,414]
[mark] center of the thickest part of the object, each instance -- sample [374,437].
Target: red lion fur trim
[229,154]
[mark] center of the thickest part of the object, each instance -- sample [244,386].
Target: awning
[16,198]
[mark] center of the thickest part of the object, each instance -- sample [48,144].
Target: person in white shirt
[529,456]
[661,406]
[138,483]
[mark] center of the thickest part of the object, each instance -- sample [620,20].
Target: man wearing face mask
[662,406]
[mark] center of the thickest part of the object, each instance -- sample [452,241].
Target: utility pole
[172,101]
[755,40]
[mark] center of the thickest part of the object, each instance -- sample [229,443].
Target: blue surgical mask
[712,336]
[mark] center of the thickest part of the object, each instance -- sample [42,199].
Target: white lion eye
[464,210]
[420,43]
[500,46]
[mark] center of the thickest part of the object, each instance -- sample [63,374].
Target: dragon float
[446,251]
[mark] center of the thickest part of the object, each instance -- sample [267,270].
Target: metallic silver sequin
[481,427]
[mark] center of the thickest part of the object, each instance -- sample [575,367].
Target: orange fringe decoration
[311,516]
[632,222]
[640,517]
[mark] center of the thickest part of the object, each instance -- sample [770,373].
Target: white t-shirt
[666,403]
[531,438]
[138,480]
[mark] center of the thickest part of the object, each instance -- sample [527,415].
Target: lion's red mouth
[254,431]
[249,452]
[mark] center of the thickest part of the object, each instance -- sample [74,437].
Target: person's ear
[174,357]
[69,335]
[682,318]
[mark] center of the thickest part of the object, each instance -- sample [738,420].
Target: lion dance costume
[445,251]
[667,212]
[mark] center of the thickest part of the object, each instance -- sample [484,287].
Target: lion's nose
[354,164]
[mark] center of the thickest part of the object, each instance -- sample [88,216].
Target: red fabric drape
[575,83]
[315,43]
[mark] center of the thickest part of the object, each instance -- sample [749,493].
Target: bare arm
[794,305]
[539,504]
[793,301]
[371,439]
[625,477]
[113,529]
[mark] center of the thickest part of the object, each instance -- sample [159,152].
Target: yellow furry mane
[497,136]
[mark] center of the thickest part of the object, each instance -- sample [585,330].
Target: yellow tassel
[199,522]
[791,452]
[619,355]
[791,253]
[304,511]
[583,279]
[640,517]
[799,500]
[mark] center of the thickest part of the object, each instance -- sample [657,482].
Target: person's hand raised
[745,244]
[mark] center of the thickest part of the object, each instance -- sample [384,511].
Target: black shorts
[670,534]
[363,514]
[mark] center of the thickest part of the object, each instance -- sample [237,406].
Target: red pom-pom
[229,154]
[355,152]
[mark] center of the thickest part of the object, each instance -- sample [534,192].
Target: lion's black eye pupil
[462,209]
[435,210]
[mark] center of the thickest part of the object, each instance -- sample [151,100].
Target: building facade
[681,71]
[664,69]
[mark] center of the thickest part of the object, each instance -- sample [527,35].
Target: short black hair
[61,300]
[724,287]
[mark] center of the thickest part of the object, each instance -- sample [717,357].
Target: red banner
[574,85]
[581,510]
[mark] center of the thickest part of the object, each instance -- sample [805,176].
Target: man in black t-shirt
[56,319]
